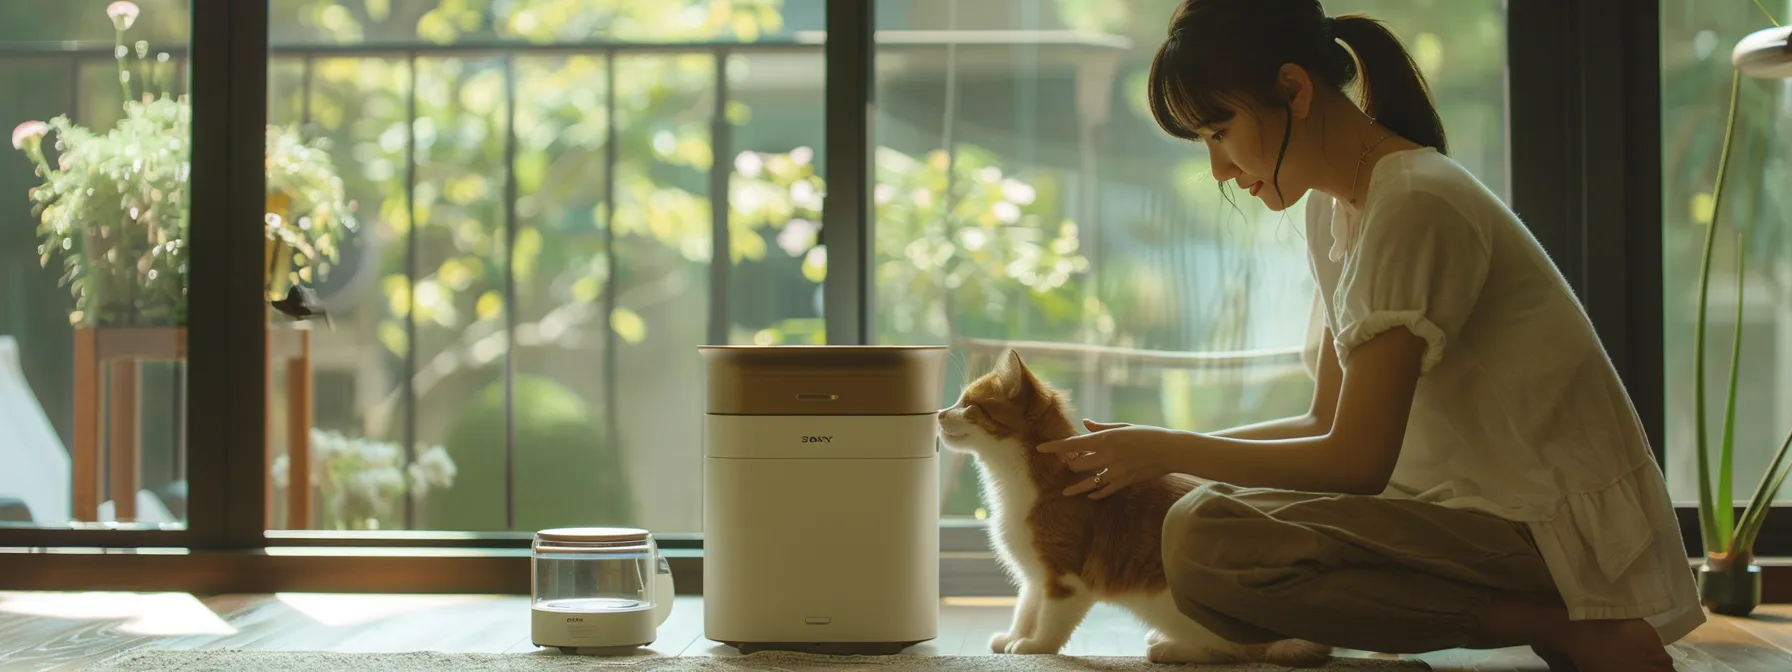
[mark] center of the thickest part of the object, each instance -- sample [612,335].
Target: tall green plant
[1726,539]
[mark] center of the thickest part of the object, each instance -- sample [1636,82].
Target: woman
[1472,473]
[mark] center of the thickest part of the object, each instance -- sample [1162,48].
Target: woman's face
[1243,150]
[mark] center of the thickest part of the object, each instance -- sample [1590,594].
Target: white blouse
[1519,411]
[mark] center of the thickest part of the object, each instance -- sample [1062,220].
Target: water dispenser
[597,588]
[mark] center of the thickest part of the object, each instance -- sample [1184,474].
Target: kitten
[1068,553]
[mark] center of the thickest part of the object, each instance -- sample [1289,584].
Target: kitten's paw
[1153,637]
[999,642]
[1297,653]
[1030,646]
[1167,652]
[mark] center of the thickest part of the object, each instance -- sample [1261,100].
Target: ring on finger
[1101,477]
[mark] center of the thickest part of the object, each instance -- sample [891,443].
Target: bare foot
[1611,646]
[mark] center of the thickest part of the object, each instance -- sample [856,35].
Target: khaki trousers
[1351,571]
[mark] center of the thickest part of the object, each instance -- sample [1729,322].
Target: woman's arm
[1318,419]
[1357,456]
[1297,427]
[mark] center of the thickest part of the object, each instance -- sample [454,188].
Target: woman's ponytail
[1394,91]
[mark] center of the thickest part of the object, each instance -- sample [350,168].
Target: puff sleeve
[1418,263]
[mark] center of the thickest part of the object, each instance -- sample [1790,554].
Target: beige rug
[260,661]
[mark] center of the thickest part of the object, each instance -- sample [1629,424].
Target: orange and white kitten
[1067,553]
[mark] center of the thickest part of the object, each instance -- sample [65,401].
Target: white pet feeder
[821,497]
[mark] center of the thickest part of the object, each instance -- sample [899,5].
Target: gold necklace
[1363,157]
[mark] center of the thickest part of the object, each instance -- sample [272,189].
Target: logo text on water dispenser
[818,439]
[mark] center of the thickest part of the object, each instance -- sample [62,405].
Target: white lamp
[1764,54]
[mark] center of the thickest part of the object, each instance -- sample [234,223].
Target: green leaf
[586,289]
[392,335]
[489,306]
[815,264]
[398,294]
[1756,514]
[745,27]
[1703,208]
[738,113]
[531,170]
[527,252]
[1726,470]
[628,325]
[435,27]
[1708,529]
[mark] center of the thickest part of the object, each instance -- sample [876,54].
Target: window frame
[1583,96]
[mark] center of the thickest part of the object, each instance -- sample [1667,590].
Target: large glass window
[1026,199]
[520,341]
[510,223]
[93,264]
[557,202]
[1749,272]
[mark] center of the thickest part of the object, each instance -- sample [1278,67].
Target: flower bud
[123,14]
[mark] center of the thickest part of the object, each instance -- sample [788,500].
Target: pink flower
[28,131]
[123,13]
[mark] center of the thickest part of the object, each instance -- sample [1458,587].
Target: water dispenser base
[597,650]
[563,630]
[826,648]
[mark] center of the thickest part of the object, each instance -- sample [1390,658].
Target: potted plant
[1729,580]
[113,205]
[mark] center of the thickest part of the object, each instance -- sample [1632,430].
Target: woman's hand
[1119,454]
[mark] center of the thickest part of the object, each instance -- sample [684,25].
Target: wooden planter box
[123,350]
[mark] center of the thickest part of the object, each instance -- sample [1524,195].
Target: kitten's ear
[1016,379]
[1014,362]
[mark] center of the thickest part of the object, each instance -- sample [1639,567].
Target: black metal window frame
[1584,136]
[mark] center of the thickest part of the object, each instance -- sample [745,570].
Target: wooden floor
[60,631]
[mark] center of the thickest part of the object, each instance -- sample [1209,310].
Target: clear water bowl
[595,570]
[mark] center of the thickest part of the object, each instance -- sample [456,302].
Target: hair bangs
[1184,96]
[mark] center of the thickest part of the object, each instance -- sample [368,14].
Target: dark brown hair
[1221,53]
